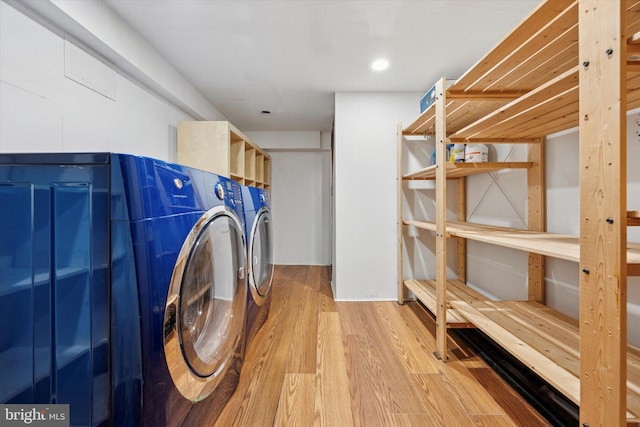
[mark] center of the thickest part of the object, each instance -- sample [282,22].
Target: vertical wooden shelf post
[603,281]
[441,222]
[536,218]
[462,216]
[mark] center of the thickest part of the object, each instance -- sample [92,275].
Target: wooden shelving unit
[219,147]
[568,64]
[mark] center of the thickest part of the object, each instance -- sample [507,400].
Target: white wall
[301,195]
[57,97]
[365,172]
[95,25]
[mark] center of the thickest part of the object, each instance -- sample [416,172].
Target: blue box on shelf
[430,97]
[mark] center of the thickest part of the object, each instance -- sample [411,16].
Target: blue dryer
[257,217]
[124,280]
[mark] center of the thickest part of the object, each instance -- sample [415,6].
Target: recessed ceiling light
[380,64]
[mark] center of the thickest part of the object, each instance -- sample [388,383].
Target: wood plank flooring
[317,362]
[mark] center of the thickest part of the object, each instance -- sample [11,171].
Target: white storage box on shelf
[476,153]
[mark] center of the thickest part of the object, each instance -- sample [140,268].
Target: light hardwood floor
[317,362]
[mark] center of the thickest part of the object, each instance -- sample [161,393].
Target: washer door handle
[241,273]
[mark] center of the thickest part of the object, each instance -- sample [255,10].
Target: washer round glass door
[205,312]
[261,257]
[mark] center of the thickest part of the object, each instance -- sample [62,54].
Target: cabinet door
[54,287]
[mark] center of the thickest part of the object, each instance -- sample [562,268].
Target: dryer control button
[219,190]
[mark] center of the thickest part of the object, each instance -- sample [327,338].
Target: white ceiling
[291,56]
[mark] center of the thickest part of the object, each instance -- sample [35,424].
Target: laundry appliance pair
[123,280]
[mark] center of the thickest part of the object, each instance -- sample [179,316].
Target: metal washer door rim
[189,383]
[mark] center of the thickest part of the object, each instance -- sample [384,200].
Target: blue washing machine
[124,280]
[257,217]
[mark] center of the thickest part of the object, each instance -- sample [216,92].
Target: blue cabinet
[55,261]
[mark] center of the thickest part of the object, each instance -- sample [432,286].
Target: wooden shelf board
[427,173]
[525,115]
[423,123]
[538,61]
[460,113]
[457,170]
[425,291]
[425,225]
[539,29]
[546,341]
[555,245]
[633,218]
[495,140]
[548,244]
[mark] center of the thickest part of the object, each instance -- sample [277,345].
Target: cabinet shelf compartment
[237,177]
[267,172]
[237,159]
[259,168]
[250,162]
[457,170]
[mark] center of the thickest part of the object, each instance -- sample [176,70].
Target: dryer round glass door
[205,312]
[261,257]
